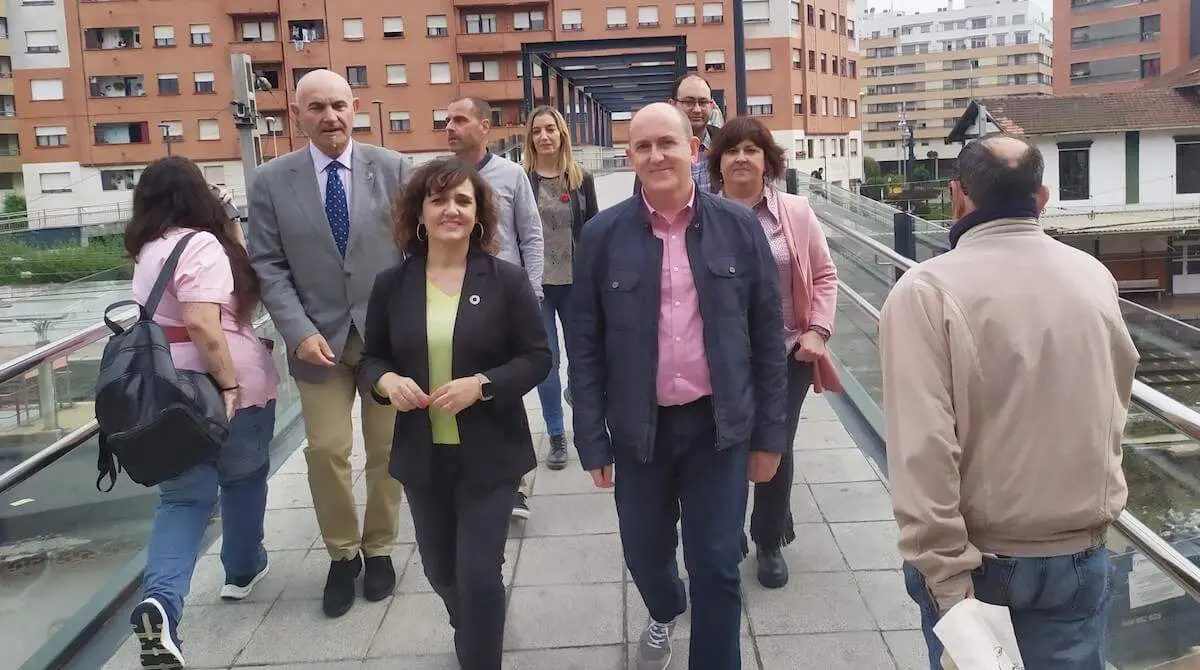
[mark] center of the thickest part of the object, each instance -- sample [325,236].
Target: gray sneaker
[654,648]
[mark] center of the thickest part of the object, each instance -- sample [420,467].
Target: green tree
[871,169]
[921,173]
[14,203]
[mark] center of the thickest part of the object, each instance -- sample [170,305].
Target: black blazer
[498,331]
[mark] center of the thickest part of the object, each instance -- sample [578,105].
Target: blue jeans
[1059,607]
[557,301]
[687,477]
[186,504]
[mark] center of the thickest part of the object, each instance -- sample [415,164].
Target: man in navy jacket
[677,372]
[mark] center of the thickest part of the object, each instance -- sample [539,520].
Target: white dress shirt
[321,161]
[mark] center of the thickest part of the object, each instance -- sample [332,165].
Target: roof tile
[1145,109]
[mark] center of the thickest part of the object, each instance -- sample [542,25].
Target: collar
[487,158]
[321,161]
[1021,209]
[769,199]
[671,216]
[706,138]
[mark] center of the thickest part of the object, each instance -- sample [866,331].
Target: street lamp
[379,113]
[166,135]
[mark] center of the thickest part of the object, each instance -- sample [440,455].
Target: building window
[46,89]
[55,182]
[714,61]
[397,74]
[978,42]
[1187,164]
[850,29]
[137,132]
[352,29]
[759,105]
[401,122]
[691,61]
[173,132]
[437,26]
[797,59]
[439,73]
[307,30]
[393,26]
[685,15]
[481,23]
[572,20]
[1074,170]
[210,129]
[51,136]
[1151,66]
[617,18]
[798,105]
[201,34]
[824,63]
[41,41]
[795,12]
[362,122]
[523,21]
[812,109]
[758,59]
[356,75]
[116,86]
[647,17]
[117,180]
[821,19]
[258,31]
[1022,37]
[714,13]
[812,60]
[164,36]
[853,65]
[205,82]
[756,11]
[168,84]
[497,117]
[440,118]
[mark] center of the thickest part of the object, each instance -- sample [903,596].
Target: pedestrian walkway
[572,604]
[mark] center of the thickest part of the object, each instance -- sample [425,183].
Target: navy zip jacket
[615,307]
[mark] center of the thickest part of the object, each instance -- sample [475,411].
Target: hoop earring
[420,226]
[477,227]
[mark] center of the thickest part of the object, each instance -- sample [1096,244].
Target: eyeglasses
[694,102]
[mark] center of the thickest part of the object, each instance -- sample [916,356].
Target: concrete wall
[1156,170]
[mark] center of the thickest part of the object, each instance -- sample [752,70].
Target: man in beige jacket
[1007,373]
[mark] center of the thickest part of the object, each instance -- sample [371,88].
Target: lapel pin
[474,300]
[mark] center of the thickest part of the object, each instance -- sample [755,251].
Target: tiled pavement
[572,605]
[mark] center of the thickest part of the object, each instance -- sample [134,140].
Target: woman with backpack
[205,313]
[566,196]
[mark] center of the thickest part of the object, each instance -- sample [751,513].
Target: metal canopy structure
[615,75]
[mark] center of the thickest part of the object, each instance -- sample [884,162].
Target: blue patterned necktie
[336,209]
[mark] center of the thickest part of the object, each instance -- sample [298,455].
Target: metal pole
[246,116]
[166,135]
[573,118]
[527,80]
[560,84]
[545,85]
[379,113]
[739,57]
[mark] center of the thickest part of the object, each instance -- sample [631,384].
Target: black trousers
[461,532]
[771,525]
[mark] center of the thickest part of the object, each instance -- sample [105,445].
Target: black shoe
[558,453]
[567,397]
[379,581]
[339,586]
[772,569]
[520,508]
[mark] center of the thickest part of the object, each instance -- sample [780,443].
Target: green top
[440,313]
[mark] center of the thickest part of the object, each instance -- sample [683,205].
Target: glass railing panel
[1153,623]
[62,542]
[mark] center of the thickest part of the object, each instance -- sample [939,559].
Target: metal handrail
[72,440]
[1175,565]
[61,347]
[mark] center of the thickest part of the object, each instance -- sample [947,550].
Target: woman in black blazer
[454,341]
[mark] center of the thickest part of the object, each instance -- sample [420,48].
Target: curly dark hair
[733,133]
[172,192]
[433,178]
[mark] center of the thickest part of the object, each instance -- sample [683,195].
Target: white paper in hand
[978,636]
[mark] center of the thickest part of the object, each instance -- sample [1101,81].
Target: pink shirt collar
[671,216]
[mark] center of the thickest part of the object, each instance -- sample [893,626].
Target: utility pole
[166,136]
[739,57]
[379,113]
[245,115]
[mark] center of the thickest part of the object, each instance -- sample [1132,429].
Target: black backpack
[156,422]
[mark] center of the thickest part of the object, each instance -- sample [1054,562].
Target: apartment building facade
[106,86]
[923,69]
[10,146]
[1119,45]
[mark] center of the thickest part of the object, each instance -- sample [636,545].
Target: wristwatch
[485,388]
[820,331]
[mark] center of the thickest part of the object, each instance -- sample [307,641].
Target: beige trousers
[327,407]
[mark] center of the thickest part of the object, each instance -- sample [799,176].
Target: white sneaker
[152,627]
[239,588]
[654,647]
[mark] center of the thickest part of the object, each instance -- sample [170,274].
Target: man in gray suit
[319,232]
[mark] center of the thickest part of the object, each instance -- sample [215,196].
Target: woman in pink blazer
[744,162]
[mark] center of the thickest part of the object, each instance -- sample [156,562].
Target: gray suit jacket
[306,284]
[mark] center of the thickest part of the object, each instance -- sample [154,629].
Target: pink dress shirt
[682,375]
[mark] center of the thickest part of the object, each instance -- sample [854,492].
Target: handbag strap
[165,276]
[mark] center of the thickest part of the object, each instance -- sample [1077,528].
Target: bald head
[999,169]
[658,113]
[325,108]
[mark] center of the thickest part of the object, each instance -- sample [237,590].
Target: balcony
[259,52]
[497,43]
[250,7]
[137,132]
[112,38]
[6,84]
[4,48]
[506,4]
[505,89]
[8,126]
[119,86]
